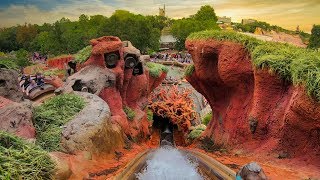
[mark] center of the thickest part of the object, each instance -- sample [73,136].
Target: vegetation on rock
[207,118]
[197,131]
[189,70]
[149,115]
[52,115]
[8,64]
[294,64]
[83,55]
[22,160]
[129,112]
[156,69]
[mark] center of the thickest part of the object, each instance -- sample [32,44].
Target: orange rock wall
[286,118]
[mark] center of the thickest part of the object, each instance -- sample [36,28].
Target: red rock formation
[129,90]
[253,108]
[59,62]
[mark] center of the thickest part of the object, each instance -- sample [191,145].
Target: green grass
[50,116]
[22,160]
[156,69]
[83,55]
[297,65]
[129,112]
[8,63]
[189,70]
[207,118]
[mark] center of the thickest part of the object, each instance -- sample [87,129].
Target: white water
[169,164]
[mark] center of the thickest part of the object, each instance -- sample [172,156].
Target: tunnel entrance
[166,129]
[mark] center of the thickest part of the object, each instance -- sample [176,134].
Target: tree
[206,13]
[204,19]
[314,42]
[25,35]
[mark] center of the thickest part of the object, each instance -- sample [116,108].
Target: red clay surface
[288,120]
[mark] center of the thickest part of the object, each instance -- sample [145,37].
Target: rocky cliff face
[117,86]
[253,108]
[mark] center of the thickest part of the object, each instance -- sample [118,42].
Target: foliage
[207,118]
[298,65]
[204,19]
[189,70]
[83,55]
[149,115]
[197,131]
[2,54]
[68,37]
[8,63]
[194,134]
[50,116]
[129,112]
[52,72]
[156,69]
[314,41]
[22,160]
[22,58]
[251,27]
[175,104]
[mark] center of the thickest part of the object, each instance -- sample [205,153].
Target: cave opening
[166,129]
[2,83]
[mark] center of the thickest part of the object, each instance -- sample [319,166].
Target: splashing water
[168,163]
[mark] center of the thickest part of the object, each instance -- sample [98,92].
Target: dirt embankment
[253,109]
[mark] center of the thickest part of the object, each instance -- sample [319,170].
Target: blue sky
[287,14]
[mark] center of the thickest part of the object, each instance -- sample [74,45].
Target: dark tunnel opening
[166,129]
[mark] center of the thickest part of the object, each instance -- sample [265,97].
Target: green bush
[22,58]
[149,115]
[83,55]
[8,64]
[129,112]
[50,116]
[189,70]
[156,69]
[22,160]
[207,118]
[194,134]
[294,64]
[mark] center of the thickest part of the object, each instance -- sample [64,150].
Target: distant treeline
[65,36]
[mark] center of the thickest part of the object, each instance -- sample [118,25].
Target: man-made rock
[91,129]
[62,168]
[116,85]
[91,79]
[17,118]
[9,85]
[253,108]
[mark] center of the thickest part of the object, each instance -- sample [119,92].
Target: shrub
[129,112]
[149,115]
[156,69]
[50,116]
[83,55]
[22,58]
[294,64]
[194,134]
[22,160]
[207,118]
[8,64]
[189,70]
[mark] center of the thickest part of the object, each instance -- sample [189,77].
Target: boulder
[90,79]
[91,129]
[9,85]
[62,168]
[17,118]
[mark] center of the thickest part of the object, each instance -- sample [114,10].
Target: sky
[284,13]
